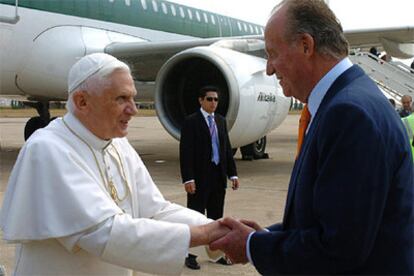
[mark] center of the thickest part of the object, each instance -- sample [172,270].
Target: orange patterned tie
[304,120]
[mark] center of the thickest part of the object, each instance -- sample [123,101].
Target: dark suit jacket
[350,202]
[196,152]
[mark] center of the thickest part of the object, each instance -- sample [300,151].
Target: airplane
[172,50]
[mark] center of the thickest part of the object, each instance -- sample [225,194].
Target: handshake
[227,234]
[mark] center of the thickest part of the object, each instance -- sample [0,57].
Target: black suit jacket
[196,149]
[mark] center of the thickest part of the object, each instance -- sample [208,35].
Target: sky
[353,14]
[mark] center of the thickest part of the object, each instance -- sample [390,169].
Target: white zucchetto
[90,65]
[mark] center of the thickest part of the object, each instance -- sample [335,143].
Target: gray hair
[315,18]
[96,84]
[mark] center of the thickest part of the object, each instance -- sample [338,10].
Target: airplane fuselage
[38,51]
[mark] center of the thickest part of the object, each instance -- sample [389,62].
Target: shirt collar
[85,134]
[205,114]
[320,89]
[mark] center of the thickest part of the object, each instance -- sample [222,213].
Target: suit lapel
[219,125]
[203,124]
[343,80]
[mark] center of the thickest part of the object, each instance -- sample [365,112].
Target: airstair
[394,78]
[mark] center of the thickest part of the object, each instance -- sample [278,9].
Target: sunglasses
[210,99]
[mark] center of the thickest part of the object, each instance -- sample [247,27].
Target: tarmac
[261,197]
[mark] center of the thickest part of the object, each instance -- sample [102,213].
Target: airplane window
[251,28]
[190,14]
[154,6]
[144,4]
[173,11]
[213,20]
[198,16]
[205,17]
[262,30]
[257,30]
[245,27]
[239,25]
[128,2]
[182,12]
[225,21]
[164,8]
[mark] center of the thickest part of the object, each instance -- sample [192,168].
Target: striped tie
[304,120]
[214,139]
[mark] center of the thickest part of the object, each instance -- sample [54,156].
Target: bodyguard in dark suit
[206,158]
[350,204]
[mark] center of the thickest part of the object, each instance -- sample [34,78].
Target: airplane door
[51,56]
[224,26]
[213,26]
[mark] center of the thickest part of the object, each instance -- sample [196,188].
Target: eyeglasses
[210,99]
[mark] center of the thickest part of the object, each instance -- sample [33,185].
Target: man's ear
[81,101]
[308,44]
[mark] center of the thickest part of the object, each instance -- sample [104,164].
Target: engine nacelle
[252,102]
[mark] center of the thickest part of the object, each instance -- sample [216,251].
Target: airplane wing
[397,42]
[373,37]
[146,58]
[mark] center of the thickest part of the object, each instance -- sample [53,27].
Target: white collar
[75,125]
[205,113]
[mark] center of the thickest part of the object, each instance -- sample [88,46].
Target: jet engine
[251,101]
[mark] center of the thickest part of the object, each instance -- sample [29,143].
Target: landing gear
[32,125]
[37,122]
[255,150]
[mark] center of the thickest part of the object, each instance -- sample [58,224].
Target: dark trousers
[209,197]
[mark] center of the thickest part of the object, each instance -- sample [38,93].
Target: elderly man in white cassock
[80,200]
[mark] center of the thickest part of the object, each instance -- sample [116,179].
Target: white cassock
[59,209]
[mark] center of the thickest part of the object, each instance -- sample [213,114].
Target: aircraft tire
[255,150]
[32,125]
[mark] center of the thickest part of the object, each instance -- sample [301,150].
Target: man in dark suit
[350,204]
[206,160]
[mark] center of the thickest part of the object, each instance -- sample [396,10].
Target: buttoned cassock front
[56,195]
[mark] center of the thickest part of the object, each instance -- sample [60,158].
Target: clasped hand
[229,235]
